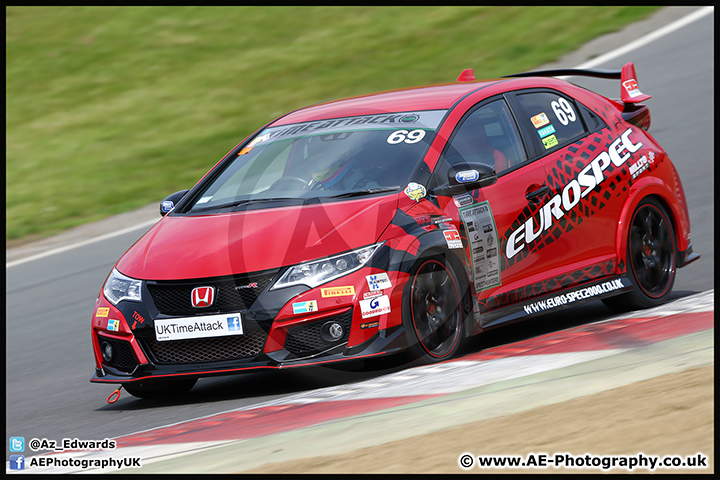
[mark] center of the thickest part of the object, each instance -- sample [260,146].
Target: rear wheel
[651,258]
[159,389]
[434,316]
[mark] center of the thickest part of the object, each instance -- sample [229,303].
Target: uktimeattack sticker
[452,237]
[375,306]
[113,325]
[540,120]
[378,281]
[198,327]
[483,240]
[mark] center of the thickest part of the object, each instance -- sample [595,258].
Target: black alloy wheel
[435,310]
[651,258]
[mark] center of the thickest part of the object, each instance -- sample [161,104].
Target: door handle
[534,196]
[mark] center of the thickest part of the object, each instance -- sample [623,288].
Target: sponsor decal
[570,297]
[198,327]
[452,237]
[102,312]
[550,141]
[234,324]
[467,176]
[166,206]
[113,325]
[544,132]
[540,120]
[375,306]
[372,294]
[429,119]
[415,191]
[337,291]
[631,87]
[378,281]
[641,165]
[305,307]
[255,141]
[374,324]
[591,176]
[463,200]
[202,297]
[485,268]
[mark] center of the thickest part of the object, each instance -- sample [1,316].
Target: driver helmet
[330,174]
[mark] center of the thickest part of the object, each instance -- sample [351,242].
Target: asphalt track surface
[50,299]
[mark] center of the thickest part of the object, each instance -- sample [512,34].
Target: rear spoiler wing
[629,90]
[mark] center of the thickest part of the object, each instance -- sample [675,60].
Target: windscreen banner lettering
[428,120]
[590,177]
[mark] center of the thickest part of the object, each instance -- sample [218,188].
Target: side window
[554,118]
[487,135]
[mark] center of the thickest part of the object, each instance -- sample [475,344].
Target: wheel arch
[649,188]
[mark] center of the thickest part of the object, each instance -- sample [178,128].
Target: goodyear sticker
[375,306]
[102,312]
[305,307]
[540,120]
[544,132]
[113,325]
[337,291]
[415,191]
[550,141]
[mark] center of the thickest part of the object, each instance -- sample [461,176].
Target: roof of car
[432,97]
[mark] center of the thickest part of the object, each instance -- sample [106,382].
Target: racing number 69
[405,136]
[563,111]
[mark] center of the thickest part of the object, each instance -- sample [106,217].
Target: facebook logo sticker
[234,324]
[17,462]
[17,444]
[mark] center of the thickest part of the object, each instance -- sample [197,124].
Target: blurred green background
[112,108]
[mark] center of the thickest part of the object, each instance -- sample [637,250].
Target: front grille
[305,340]
[174,298]
[123,357]
[209,349]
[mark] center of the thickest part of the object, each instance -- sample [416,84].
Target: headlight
[119,287]
[322,271]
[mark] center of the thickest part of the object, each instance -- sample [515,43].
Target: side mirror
[464,177]
[170,202]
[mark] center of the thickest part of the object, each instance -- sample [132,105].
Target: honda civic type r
[399,221]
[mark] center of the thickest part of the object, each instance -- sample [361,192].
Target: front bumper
[275,333]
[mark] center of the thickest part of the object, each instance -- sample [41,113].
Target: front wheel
[433,319]
[651,255]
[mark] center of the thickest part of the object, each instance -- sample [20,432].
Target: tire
[651,258]
[433,314]
[160,389]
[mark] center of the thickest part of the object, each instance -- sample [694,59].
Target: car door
[576,232]
[489,216]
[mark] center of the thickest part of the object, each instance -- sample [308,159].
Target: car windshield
[326,159]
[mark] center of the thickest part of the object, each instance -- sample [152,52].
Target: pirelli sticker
[483,241]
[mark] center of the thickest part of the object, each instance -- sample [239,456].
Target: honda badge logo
[203,296]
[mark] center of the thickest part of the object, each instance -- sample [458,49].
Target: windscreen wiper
[242,203]
[367,191]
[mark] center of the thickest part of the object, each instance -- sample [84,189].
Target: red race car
[398,221]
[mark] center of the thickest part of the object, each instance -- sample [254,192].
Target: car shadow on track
[258,387]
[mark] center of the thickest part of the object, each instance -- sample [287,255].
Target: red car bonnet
[184,247]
